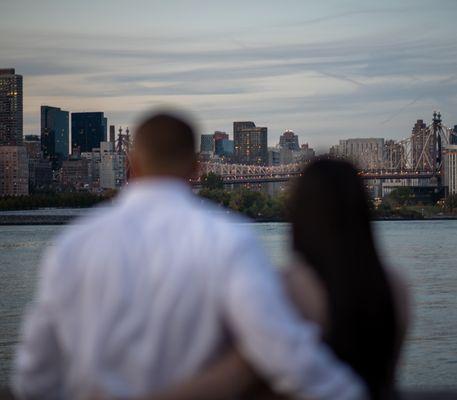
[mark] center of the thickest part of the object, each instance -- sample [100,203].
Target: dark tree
[212,181]
[451,202]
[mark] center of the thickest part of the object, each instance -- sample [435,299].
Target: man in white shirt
[142,295]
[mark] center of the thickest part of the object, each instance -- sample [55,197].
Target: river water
[424,251]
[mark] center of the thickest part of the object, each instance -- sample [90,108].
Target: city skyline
[324,71]
[271,143]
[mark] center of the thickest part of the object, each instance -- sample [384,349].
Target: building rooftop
[7,71]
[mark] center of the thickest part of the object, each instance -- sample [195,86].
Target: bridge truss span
[240,173]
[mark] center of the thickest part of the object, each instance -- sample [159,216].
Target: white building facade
[450,168]
[94,160]
[366,153]
[112,167]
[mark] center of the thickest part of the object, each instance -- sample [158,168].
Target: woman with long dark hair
[361,303]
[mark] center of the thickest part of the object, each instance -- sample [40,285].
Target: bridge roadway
[234,180]
[368,175]
[382,175]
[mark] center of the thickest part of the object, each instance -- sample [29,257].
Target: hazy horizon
[326,71]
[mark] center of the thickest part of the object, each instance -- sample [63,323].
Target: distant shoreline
[18,219]
[434,218]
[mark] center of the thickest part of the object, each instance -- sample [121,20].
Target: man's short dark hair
[165,139]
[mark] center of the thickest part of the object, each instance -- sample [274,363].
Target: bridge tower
[427,147]
[440,134]
[437,130]
[123,148]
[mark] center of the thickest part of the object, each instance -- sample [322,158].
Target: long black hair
[331,230]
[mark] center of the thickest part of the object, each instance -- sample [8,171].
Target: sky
[327,70]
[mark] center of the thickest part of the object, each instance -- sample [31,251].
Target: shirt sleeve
[37,372]
[281,346]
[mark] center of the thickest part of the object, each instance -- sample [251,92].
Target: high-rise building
[250,142]
[453,137]
[219,135]
[450,168]
[75,173]
[239,140]
[93,158]
[14,171]
[40,174]
[224,147]
[32,145]
[422,147]
[286,156]
[206,143]
[289,140]
[308,153]
[112,133]
[366,153]
[112,167]
[274,156]
[54,135]
[11,123]
[88,130]
[40,169]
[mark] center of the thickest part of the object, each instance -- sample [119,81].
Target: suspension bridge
[419,156]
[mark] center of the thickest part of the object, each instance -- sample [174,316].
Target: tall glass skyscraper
[88,129]
[10,108]
[224,147]
[206,143]
[54,135]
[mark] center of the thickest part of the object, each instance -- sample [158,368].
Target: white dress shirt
[143,294]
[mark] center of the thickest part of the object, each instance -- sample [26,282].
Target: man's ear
[195,170]
[135,165]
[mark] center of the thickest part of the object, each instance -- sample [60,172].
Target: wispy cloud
[367,81]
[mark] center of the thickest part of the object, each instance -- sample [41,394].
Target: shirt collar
[157,186]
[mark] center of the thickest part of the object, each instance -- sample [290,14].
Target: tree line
[254,204]
[58,200]
[400,203]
